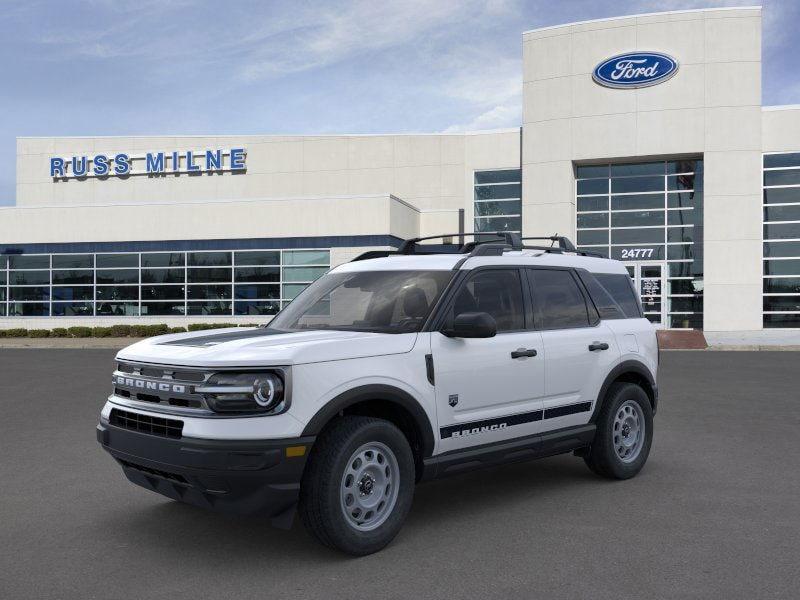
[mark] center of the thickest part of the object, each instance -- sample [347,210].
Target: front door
[649,280]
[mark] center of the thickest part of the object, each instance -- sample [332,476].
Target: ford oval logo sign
[635,70]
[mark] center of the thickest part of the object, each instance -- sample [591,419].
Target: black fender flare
[627,366]
[375,392]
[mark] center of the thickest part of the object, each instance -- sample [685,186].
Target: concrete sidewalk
[78,343]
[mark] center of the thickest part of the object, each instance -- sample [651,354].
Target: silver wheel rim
[629,431]
[369,486]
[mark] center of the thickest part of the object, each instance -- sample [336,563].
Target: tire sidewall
[614,464]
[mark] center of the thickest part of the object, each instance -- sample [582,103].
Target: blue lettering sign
[56,167]
[154,163]
[635,70]
[176,162]
[121,164]
[79,166]
[213,160]
[190,166]
[237,159]
[100,164]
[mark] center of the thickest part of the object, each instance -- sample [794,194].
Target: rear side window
[620,288]
[558,300]
[605,304]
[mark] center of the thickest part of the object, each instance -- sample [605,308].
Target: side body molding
[630,368]
[370,393]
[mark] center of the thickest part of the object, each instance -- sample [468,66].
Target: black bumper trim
[246,477]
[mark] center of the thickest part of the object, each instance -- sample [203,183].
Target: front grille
[157,472]
[170,428]
[166,386]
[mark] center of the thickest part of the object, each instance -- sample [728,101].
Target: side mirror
[472,325]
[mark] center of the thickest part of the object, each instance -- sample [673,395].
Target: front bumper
[252,477]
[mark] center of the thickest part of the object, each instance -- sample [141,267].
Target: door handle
[523,352]
[598,346]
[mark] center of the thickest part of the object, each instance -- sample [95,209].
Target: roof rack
[486,243]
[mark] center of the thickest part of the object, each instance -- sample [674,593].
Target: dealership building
[642,138]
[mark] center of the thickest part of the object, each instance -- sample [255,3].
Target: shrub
[149,330]
[59,332]
[16,332]
[80,332]
[177,329]
[120,330]
[38,333]
[203,326]
[101,332]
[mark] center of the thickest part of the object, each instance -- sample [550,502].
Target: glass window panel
[3,309]
[29,277]
[162,308]
[559,302]
[595,249]
[73,261]
[782,195]
[782,213]
[270,257]
[637,202]
[682,182]
[209,275]
[83,292]
[292,274]
[25,261]
[162,292]
[116,292]
[290,291]
[693,304]
[163,276]
[593,237]
[782,285]
[593,203]
[685,199]
[164,259]
[505,207]
[256,292]
[642,252]
[118,276]
[782,249]
[684,286]
[493,192]
[256,308]
[501,176]
[208,308]
[681,269]
[2,277]
[114,261]
[593,220]
[788,177]
[29,293]
[782,231]
[209,292]
[592,186]
[637,236]
[648,168]
[682,217]
[63,277]
[2,294]
[257,274]
[306,257]
[498,224]
[679,252]
[637,219]
[680,234]
[685,321]
[28,309]
[73,309]
[776,321]
[117,309]
[790,159]
[782,267]
[209,259]
[684,166]
[3,262]
[586,171]
[637,184]
[782,303]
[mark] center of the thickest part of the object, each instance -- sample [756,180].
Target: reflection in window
[498,200]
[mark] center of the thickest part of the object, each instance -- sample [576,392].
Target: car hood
[257,346]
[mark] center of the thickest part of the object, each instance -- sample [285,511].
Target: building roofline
[651,14]
[781,107]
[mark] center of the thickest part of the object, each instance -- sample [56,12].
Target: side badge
[452,400]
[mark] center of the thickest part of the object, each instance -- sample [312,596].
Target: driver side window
[497,292]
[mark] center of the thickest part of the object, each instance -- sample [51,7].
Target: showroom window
[207,283]
[498,200]
[781,301]
[650,215]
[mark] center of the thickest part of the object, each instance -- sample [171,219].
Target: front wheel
[358,486]
[624,433]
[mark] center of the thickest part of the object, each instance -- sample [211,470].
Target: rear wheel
[357,489]
[624,433]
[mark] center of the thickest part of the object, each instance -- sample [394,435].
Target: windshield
[377,301]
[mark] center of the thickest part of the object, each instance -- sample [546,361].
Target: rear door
[489,389]
[579,348]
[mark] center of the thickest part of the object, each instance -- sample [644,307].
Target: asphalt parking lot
[714,514]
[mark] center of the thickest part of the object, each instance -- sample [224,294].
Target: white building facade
[664,158]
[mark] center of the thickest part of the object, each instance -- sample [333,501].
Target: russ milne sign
[151,163]
[635,70]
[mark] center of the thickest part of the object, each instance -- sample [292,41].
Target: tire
[615,453]
[368,463]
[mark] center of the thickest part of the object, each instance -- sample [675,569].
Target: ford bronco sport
[397,367]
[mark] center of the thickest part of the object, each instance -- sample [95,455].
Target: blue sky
[152,67]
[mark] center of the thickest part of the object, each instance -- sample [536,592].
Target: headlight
[244,393]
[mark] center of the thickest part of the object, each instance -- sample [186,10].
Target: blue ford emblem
[635,70]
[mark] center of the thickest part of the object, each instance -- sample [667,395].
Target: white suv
[397,367]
